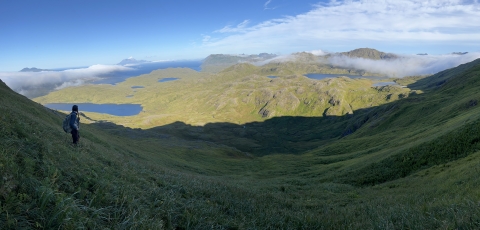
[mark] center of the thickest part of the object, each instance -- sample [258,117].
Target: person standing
[75,124]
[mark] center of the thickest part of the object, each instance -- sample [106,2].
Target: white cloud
[76,82]
[405,65]
[242,27]
[266,7]
[317,52]
[340,23]
[266,3]
[22,82]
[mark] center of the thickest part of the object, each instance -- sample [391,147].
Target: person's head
[75,108]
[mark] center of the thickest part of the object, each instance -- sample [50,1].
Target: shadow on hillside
[287,134]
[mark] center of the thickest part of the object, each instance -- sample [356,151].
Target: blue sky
[68,33]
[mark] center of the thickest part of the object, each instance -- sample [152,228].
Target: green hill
[368,53]
[218,62]
[407,162]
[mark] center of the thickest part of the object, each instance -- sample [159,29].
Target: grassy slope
[411,163]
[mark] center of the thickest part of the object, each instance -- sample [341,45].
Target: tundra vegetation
[238,150]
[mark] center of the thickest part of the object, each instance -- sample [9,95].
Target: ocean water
[146,68]
[112,109]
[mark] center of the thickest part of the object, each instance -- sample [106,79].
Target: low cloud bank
[405,65]
[32,84]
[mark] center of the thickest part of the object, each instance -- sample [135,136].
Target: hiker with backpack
[71,124]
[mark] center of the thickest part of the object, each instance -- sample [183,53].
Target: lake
[168,79]
[319,76]
[384,83]
[112,109]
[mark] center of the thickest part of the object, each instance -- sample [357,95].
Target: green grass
[409,163]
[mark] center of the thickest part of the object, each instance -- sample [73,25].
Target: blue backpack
[66,124]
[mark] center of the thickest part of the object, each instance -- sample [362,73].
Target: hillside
[368,53]
[410,162]
[218,62]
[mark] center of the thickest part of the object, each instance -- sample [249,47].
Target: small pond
[168,79]
[112,109]
[271,76]
[384,83]
[137,87]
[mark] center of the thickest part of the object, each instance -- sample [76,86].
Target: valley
[235,149]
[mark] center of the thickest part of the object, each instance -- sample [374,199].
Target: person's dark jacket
[74,121]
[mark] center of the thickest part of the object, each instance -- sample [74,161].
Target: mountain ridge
[33,69]
[368,53]
[131,61]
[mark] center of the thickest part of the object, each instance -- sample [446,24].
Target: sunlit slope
[416,133]
[239,94]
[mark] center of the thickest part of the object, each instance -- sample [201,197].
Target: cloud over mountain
[394,66]
[406,65]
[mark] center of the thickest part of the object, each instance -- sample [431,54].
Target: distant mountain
[460,53]
[33,69]
[368,53]
[218,62]
[131,60]
[305,57]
